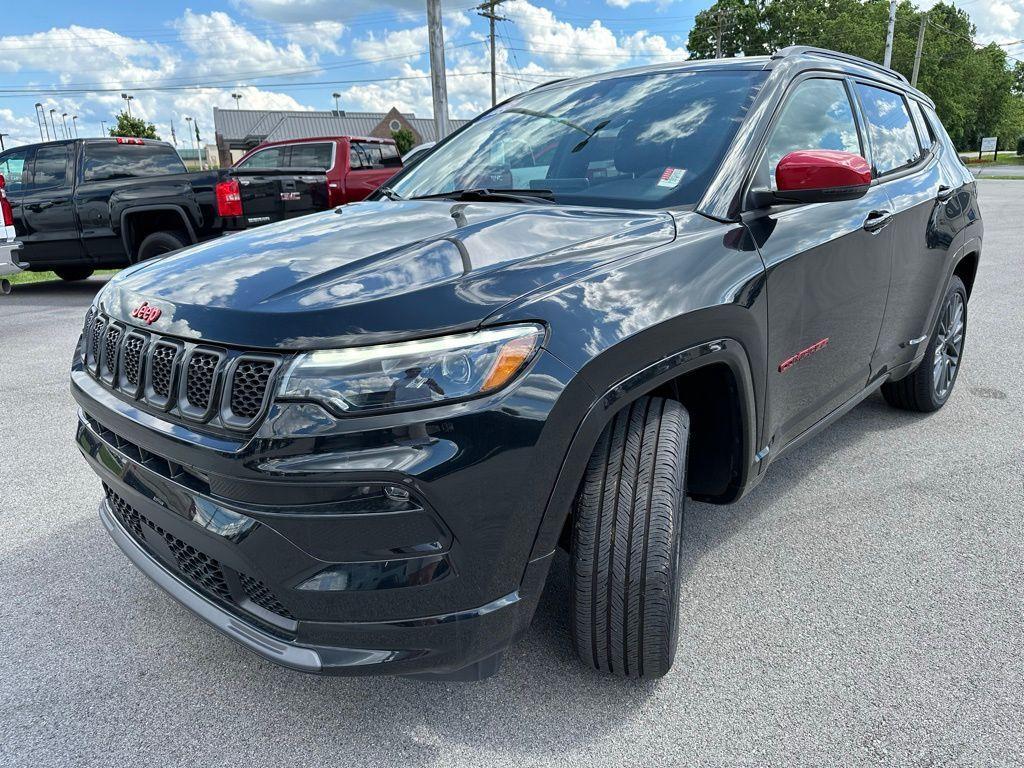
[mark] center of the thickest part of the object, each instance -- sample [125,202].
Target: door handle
[945,192]
[40,206]
[877,220]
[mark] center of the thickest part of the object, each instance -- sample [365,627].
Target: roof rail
[801,50]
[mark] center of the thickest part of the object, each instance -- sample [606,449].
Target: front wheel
[627,527]
[929,387]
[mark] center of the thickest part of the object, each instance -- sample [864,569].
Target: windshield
[637,141]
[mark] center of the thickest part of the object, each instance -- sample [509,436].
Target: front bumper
[288,546]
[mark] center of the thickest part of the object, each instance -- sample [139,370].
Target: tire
[627,527]
[73,274]
[159,243]
[928,388]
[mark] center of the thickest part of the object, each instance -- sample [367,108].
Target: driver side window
[818,115]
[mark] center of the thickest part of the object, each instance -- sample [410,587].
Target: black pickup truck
[86,204]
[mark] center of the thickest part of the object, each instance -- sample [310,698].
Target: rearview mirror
[817,176]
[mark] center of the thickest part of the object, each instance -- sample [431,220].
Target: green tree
[133,126]
[404,140]
[975,92]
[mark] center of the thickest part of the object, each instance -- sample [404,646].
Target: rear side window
[893,140]
[311,156]
[271,157]
[50,168]
[104,161]
[817,116]
[12,168]
[389,155]
[371,154]
[375,155]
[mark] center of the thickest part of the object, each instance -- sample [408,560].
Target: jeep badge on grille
[146,313]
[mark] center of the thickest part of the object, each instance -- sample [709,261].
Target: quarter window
[817,116]
[893,141]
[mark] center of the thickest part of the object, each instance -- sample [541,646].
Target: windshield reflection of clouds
[535,140]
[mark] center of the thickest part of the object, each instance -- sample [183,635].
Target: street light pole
[103,127]
[128,100]
[192,136]
[2,140]
[64,120]
[237,97]
[336,107]
[53,124]
[74,122]
[41,119]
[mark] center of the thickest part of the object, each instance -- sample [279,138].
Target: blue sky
[77,57]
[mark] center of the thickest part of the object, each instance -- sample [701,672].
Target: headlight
[414,373]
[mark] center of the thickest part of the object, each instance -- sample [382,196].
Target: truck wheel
[929,387]
[72,274]
[627,526]
[160,243]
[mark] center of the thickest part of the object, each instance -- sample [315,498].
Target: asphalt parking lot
[864,606]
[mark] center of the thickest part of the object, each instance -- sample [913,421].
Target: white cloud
[223,46]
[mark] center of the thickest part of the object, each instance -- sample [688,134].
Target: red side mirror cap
[820,175]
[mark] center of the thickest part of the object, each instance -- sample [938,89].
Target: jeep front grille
[216,386]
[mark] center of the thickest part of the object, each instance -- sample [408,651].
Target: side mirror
[817,176]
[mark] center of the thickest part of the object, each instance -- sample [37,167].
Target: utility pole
[718,36]
[887,61]
[438,83]
[486,9]
[920,46]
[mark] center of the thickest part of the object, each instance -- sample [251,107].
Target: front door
[828,268]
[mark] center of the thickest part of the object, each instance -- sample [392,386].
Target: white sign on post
[988,144]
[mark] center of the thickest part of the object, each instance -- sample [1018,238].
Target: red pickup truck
[355,165]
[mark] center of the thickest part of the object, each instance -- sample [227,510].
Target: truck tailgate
[273,194]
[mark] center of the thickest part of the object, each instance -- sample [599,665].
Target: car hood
[375,271]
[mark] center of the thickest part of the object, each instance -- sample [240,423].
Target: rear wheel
[929,387]
[160,243]
[73,274]
[627,526]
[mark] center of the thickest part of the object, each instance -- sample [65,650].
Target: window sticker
[671,177]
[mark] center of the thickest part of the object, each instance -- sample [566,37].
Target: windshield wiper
[484,193]
[389,193]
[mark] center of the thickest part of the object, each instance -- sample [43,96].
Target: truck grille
[220,387]
[198,569]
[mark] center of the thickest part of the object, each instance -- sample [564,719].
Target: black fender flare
[165,207]
[724,350]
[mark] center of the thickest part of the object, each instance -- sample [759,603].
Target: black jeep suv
[354,441]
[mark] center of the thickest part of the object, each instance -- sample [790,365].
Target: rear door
[370,165]
[827,268]
[910,165]
[50,232]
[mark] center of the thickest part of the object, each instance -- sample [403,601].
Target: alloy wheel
[949,345]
